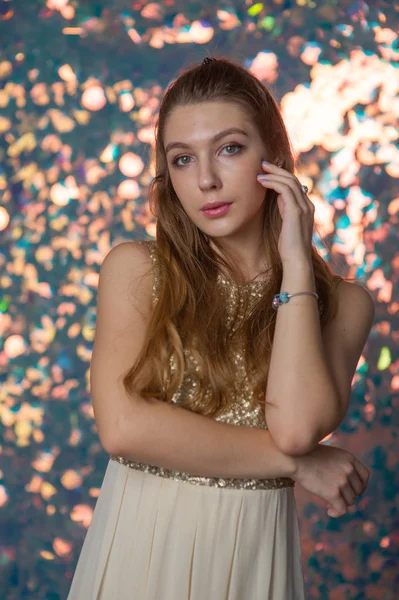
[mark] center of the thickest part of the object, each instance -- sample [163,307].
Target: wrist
[295,266]
[296,467]
[290,465]
[298,278]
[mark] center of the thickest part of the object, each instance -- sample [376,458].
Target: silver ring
[305,189]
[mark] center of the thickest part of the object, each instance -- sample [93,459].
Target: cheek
[247,172]
[255,194]
[182,187]
[250,186]
[178,185]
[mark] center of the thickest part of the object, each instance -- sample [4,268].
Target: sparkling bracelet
[284,297]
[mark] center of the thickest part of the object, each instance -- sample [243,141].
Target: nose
[208,177]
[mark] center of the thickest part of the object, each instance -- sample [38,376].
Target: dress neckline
[226,279]
[254,283]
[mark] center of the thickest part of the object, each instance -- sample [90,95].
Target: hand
[297,213]
[333,474]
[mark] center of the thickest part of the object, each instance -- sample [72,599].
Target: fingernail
[265,162]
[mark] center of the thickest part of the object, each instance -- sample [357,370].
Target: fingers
[348,493]
[355,485]
[279,183]
[350,487]
[343,498]
[279,174]
[364,472]
[338,506]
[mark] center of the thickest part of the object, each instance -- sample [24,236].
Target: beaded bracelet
[284,297]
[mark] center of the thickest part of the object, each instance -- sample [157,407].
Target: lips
[210,206]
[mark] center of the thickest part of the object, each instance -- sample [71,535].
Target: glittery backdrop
[80,87]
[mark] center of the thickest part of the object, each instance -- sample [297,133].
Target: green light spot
[384,359]
[267,23]
[255,9]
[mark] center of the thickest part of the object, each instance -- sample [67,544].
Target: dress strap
[151,245]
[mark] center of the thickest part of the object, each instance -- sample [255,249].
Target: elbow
[111,445]
[293,446]
[299,440]
[121,439]
[111,439]
[122,434]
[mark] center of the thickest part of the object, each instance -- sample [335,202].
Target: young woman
[224,353]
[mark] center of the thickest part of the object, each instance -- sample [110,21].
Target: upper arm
[123,312]
[344,339]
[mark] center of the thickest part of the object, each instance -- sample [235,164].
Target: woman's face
[205,168]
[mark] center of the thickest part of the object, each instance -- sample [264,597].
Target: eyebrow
[215,138]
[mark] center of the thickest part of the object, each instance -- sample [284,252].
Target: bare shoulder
[127,271]
[123,314]
[354,317]
[345,336]
[133,252]
[356,298]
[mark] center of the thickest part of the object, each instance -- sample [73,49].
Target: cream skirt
[154,538]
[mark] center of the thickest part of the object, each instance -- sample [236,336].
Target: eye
[175,160]
[239,146]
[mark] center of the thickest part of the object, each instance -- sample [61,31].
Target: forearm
[162,434]
[299,389]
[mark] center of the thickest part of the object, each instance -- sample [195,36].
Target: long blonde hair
[190,311]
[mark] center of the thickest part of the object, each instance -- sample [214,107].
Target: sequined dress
[158,534]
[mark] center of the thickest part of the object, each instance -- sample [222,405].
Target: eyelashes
[239,146]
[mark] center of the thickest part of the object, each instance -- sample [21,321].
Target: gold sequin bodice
[239,413]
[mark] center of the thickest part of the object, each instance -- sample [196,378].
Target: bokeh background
[80,85]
